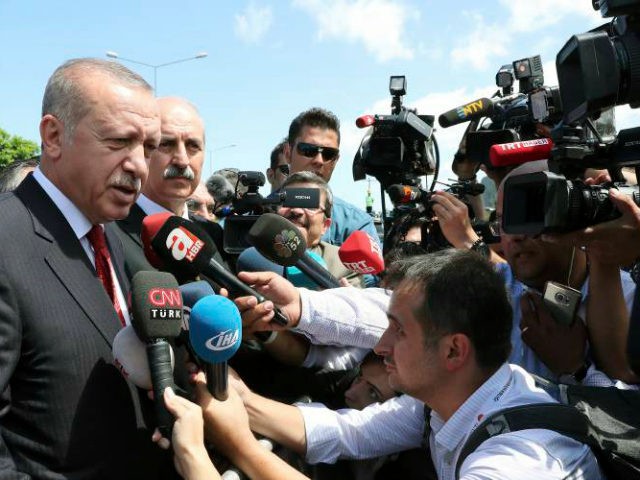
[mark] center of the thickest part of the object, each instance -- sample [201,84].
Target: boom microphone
[157,315]
[220,189]
[516,153]
[130,356]
[215,330]
[183,247]
[280,241]
[362,254]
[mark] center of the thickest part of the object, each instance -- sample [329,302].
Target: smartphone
[562,302]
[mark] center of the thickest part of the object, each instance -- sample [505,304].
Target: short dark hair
[463,294]
[11,175]
[276,152]
[314,117]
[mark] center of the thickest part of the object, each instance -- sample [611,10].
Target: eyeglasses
[195,206]
[284,169]
[308,211]
[309,150]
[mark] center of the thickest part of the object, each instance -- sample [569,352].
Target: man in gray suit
[65,410]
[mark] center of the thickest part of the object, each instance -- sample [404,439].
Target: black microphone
[156,305]
[280,241]
[220,189]
[184,248]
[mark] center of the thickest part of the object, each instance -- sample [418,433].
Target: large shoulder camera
[597,70]
[249,206]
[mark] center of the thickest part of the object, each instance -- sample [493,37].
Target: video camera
[596,70]
[401,146]
[249,206]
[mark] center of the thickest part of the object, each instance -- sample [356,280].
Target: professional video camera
[414,203]
[400,147]
[596,70]
[247,207]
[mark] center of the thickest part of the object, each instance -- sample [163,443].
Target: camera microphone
[406,194]
[365,121]
[220,189]
[516,153]
[479,108]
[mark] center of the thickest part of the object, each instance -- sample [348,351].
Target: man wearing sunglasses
[278,170]
[313,145]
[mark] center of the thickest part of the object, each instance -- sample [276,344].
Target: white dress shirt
[150,207]
[398,424]
[81,227]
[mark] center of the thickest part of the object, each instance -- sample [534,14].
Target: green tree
[13,147]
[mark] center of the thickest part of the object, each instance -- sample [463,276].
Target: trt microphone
[361,253]
[516,153]
[183,247]
[280,241]
[215,330]
[479,108]
[406,194]
[130,356]
[156,304]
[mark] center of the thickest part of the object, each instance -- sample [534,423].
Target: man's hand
[615,242]
[453,216]
[560,347]
[257,317]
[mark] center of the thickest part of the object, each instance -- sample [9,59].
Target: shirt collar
[449,434]
[150,207]
[79,223]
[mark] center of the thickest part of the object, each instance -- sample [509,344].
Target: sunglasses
[284,169]
[310,150]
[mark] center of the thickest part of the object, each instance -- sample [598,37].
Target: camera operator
[278,170]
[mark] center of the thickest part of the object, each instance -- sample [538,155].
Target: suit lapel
[68,260]
[132,225]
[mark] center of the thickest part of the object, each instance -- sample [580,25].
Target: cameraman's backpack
[605,418]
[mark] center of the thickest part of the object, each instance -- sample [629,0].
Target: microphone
[362,254]
[215,330]
[157,315]
[516,153]
[406,194]
[280,241]
[220,189]
[184,248]
[479,108]
[191,293]
[250,260]
[130,356]
[365,121]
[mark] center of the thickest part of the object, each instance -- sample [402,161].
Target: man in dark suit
[65,410]
[174,174]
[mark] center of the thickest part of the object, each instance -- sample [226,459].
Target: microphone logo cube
[183,244]
[166,303]
[285,243]
[223,341]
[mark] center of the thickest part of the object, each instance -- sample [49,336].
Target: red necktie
[103,266]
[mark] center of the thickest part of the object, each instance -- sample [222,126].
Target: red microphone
[365,121]
[516,153]
[362,254]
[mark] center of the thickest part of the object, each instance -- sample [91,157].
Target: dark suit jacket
[65,410]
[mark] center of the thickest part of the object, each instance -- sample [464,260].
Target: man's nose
[180,157]
[384,347]
[137,163]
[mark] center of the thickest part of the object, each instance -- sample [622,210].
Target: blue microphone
[215,330]
[191,293]
[301,279]
[250,260]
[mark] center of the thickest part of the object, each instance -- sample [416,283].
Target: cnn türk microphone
[184,248]
[406,194]
[215,330]
[156,304]
[280,241]
[130,356]
[516,153]
[479,108]
[361,253]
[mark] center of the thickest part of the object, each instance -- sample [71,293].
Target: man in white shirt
[446,347]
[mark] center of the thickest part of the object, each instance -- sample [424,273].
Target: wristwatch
[576,377]
[480,247]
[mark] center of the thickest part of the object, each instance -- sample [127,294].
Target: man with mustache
[65,409]
[174,174]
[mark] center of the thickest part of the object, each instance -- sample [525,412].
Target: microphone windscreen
[299,278]
[156,305]
[215,329]
[220,189]
[361,253]
[151,224]
[250,260]
[278,239]
[130,356]
[183,247]
[194,291]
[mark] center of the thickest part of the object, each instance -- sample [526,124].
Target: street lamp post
[231,145]
[112,54]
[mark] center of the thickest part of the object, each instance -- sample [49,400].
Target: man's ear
[52,136]
[326,224]
[457,351]
[286,151]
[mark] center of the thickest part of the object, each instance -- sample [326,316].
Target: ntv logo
[223,340]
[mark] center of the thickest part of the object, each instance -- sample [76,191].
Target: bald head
[175,167]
